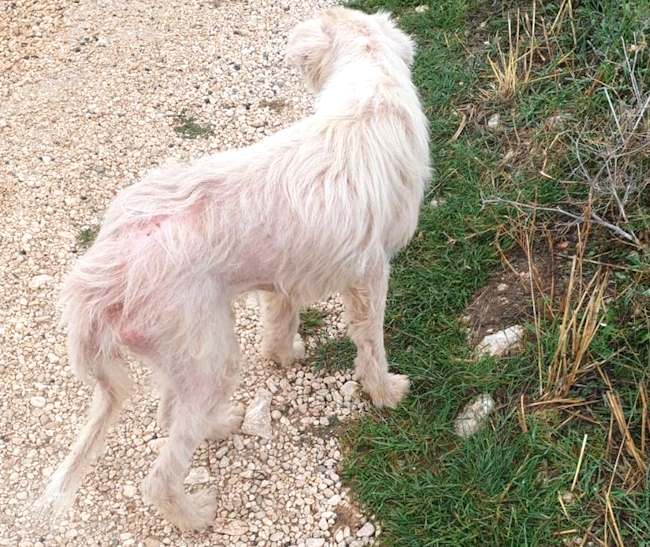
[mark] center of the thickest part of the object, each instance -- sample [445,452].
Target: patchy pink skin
[127,336]
[135,340]
[152,226]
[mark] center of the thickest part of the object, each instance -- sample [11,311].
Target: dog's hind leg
[111,388]
[281,316]
[365,304]
[202,385]
[165,407]
[190,424]
[225,420]
[226,416]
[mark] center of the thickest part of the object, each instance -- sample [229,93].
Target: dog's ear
[402,42]
[308,48]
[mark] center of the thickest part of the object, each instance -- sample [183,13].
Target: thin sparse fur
[319,207]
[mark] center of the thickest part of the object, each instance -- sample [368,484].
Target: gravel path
[91,95]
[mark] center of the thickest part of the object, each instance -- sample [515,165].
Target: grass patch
[189,128]
[87,236]
[335,354]
[515,483]
[311,321]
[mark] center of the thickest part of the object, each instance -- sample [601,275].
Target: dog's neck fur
[358,85]
[378,98]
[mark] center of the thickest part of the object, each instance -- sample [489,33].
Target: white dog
[317,208]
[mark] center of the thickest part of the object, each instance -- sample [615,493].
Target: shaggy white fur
[317,208]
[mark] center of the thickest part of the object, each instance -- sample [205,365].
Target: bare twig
[619,416]
[595,218]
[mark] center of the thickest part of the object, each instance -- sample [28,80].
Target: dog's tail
[95,359]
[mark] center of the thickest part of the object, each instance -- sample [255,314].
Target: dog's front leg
[280,340]
[365,304]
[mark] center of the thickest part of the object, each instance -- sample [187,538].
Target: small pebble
[366,530]
[37,401]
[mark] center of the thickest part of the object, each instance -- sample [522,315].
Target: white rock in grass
[474,415]
[494,121]
[257,420]
[422,8]
[436,202]
[501,342]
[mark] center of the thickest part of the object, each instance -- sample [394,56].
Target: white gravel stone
[272,386]
[474,415]
[233,527]
[501,342]
[39,281]
[197,475]
[366,530]
[315,542]
[37,401]
[334,500]
[238,442]
[257,420]
[349,389]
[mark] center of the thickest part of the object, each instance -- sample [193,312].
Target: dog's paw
[48,507]
[298,348]
[389,392]
[199,511]
[58,496]
[288,356]
[228,423]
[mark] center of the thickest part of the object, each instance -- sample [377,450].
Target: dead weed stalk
[530,39]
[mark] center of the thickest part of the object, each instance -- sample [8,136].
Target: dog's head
[339,35]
